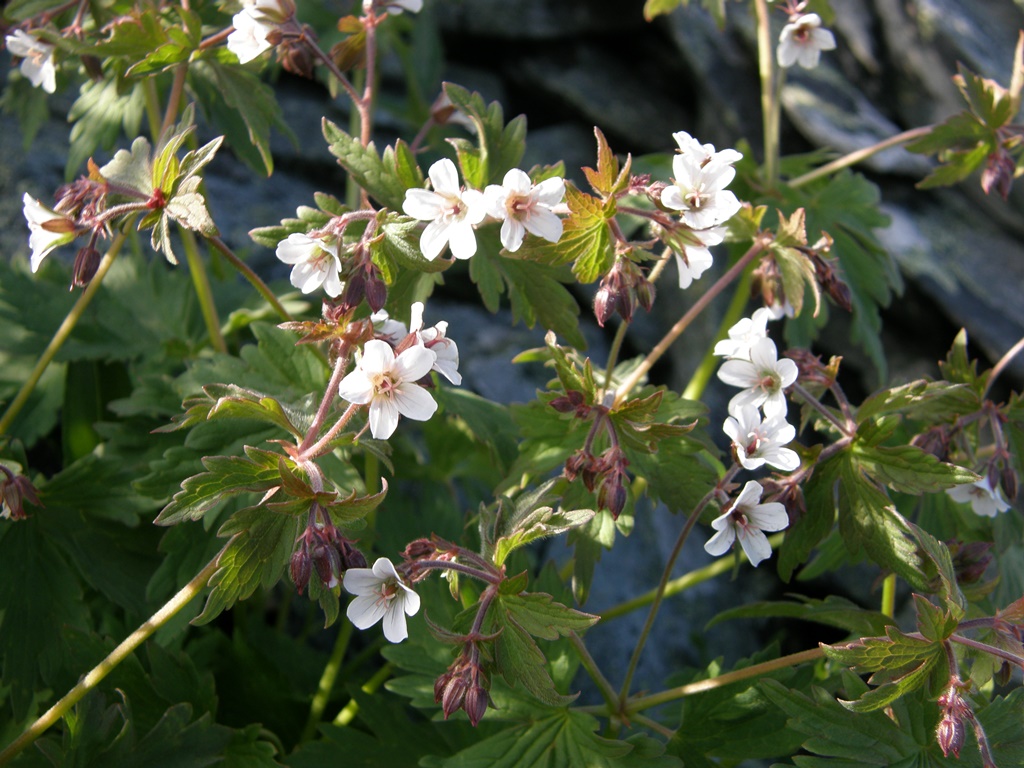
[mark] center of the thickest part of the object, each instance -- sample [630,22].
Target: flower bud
[87,261]
[14,492]
[376,291]
[970,561]
[612,495]
[296,56]
[475,703]
[419,549]
[605,304]
[300,568]
[999,173]
[934,440]
[950,734]
[645,293]
[1008,481]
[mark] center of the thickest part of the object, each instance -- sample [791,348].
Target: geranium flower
[703,154]
[699,191]
[761,442]
[747,520]
[802,41]
[388,384]
[47,229]
[36,59]
[451,211]
[387,328]
[983,498]
[763,377]
[250,36]
[696,257]
[396,7]
[380,594]
[744,334]
[524,207]
[436,340]
[316,262]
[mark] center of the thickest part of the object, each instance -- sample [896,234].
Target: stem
[665,574]
[769,93]
[681,325]
[174,98]
[607,691]
[684,582]
[348,712]
[152,102]
[262,288]
[1012,658]
[889,595]
[646,702]
[325,404]
[699,381]
[654,725]
[844,429]
[999,367]
[448,565]
[327,680]
[62,334]
[613,353]
[861,154]
[316,448]
[119,654]
[201,282]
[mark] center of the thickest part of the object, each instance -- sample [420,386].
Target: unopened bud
[376,292]
[934,440]
[300,569]
[87,261]
[419,549]
[475,703]
[296,56]
[1008,482]
[612,495]
[950,734]
[998,174]
[605,304]
[645,293]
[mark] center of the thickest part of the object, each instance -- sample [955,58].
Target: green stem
[613,353]
[684,582]
[119,654]
[740,297]
[653,725]
[327,680]
[262,288]
[684,322]
[152,102]
[174,98]
[861,154]
[889,595]
[349,711]
[769,93]
[62,334]
[1000,366]
[201,282]
[665,574]
[606,688]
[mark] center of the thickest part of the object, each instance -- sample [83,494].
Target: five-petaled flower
[451,211]
[699,191]
[803,40]
[758,442]
[744,334]
[316,262]
[983,498]
[47,229]
[380,594]
[388,384]
[524,207]
[702,154]
[764,378]
[747,520]
[36,59]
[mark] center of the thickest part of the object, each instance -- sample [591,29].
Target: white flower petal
[444,177]
[413,364]
[512,234]
[769,517]
[383,417]
[719,543]
[365,610]
[394,626]
[434,239]
[755,545]
[517,181]
[550,191]
[414,402]
[422,204]
[356,388]
[462,239]
[542,222]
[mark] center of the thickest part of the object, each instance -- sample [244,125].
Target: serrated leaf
[933,623]
[500,146]
[833,611]
[585,241]
[225,476]
[521,662]
[921,399]
[131,168]
[797,273]
[257,554]
[992,103]
[541,616]
[539,524]
[809,529]
[100,114]
[365,166]
[939,554]
[909,469]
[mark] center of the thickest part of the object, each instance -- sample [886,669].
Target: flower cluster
[453,212]
[752,363]
[699,194]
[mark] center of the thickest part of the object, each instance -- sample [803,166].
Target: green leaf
[908,469]
[833,611]
[562,738]
[365,166]
[20,10]
[243,109]
[538,614]
[131,168]
[933,623]
[225,476]
[992,103]
[500,147]
[490,423]
[586,238]
[868,519]
[99,114]
[921,399]
[541,523]
[607,179]
[520,661]
[939,554]
[809,529]
[257,554]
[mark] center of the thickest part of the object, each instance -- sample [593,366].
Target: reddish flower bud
[14,492]
[934,441]
[998,174]
[605,304]
[950,734]
[645,293]
[301,568]
[612,495]
[475,703]
[376,291]
[87,261]
[1008,481]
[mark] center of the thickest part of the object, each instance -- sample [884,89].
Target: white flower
[47,229]
[700,191]
[380,594]
[743,335]
[316,263]
[747,520]
[451,211]
[802,42]
[781,309]
[388,384]
[763,377]
[703,154]
[249,38]
[387,328]
[761,442]
[525,207]
[270,11]
[696,258]
[983,498]
[397,6]
[435,339]
[37,59]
